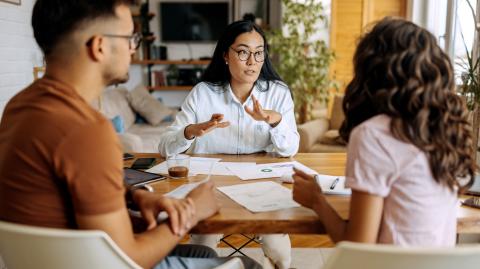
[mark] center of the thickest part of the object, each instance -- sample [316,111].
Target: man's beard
[111,80]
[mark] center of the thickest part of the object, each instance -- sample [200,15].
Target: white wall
[18,51]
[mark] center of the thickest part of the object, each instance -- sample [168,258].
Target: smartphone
[143,163]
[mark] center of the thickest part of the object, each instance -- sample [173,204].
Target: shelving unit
[150,63]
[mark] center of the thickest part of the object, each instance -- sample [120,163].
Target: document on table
[182,191]
[198,165]
[260,196]
[269,170]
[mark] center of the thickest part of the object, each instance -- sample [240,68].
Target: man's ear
[96,48]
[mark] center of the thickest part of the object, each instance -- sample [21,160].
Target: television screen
[193,21]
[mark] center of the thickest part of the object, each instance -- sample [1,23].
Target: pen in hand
[334,183]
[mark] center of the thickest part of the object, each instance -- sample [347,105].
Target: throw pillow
[332,137]
[147,106]
[118,124]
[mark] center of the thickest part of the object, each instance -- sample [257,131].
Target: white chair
[355,255]
[24,246]
[234,263]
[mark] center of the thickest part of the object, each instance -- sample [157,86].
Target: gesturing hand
[271,117]
[181,212]
[306,191]
[199,129]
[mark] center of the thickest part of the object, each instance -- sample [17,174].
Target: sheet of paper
[198,165]
[326,181]
[269,170]
[260,196]
[182,191]
[223,168]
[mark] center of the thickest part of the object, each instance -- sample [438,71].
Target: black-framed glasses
[244,55]
[133,40]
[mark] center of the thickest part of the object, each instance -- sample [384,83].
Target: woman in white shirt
[241,107]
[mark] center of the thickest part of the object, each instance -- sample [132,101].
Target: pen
[334,183]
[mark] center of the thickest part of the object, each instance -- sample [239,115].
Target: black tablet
[134,177]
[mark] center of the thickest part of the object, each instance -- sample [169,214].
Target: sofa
[142,118]
[321,135]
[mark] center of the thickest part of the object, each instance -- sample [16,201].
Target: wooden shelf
[167,62]
[170,88]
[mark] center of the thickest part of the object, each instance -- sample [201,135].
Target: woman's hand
[271,117]
[181,212]
[306,191]
[199,129]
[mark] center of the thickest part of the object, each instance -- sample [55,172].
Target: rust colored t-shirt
[58,157]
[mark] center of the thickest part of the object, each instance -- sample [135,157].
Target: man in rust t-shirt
[60,160]
[57,156]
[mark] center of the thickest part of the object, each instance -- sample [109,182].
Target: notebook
[333,185]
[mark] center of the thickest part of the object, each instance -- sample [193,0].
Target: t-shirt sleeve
[90,160]
[370,167]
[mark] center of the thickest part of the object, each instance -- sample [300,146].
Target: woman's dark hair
[217,72]
[400,71]
[54,19]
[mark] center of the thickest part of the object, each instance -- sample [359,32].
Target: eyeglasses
[244,55]
[133,40]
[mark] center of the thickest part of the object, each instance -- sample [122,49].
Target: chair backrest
[234,263]
[24,246]
[355,255]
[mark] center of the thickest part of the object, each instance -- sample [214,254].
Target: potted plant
[301,59]
[470,87]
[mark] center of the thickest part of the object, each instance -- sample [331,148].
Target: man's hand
[199,129]
[203,197]
[306,191]
[271,117]
[181,212]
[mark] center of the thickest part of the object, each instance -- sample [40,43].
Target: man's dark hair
[54,19]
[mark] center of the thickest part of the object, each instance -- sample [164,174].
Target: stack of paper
[260,196]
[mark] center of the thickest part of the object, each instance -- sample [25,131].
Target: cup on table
[178,165]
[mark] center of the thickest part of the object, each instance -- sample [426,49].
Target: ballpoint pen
[334,183]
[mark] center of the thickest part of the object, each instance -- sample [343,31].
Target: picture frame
[15,2]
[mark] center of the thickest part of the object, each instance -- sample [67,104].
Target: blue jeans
[198,257]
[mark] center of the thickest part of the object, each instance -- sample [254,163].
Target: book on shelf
[158,78]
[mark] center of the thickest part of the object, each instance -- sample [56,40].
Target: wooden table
[233,218]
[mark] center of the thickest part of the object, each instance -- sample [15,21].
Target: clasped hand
[183,214]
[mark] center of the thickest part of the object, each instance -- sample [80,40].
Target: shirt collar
[230,96]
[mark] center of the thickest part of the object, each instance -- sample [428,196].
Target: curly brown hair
[401,71]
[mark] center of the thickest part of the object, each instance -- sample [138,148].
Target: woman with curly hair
[410,143]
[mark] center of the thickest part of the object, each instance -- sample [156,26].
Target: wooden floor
[298,241]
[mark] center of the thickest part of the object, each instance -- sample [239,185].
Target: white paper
[326,181]
[223,168]
[269,170]
[198,165]
[260,196]
[182,191]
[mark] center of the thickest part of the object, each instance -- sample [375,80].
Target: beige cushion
[147,106]
[337,116]
[114,103]
[331,137]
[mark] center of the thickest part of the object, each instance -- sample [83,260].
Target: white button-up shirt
[244,135]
